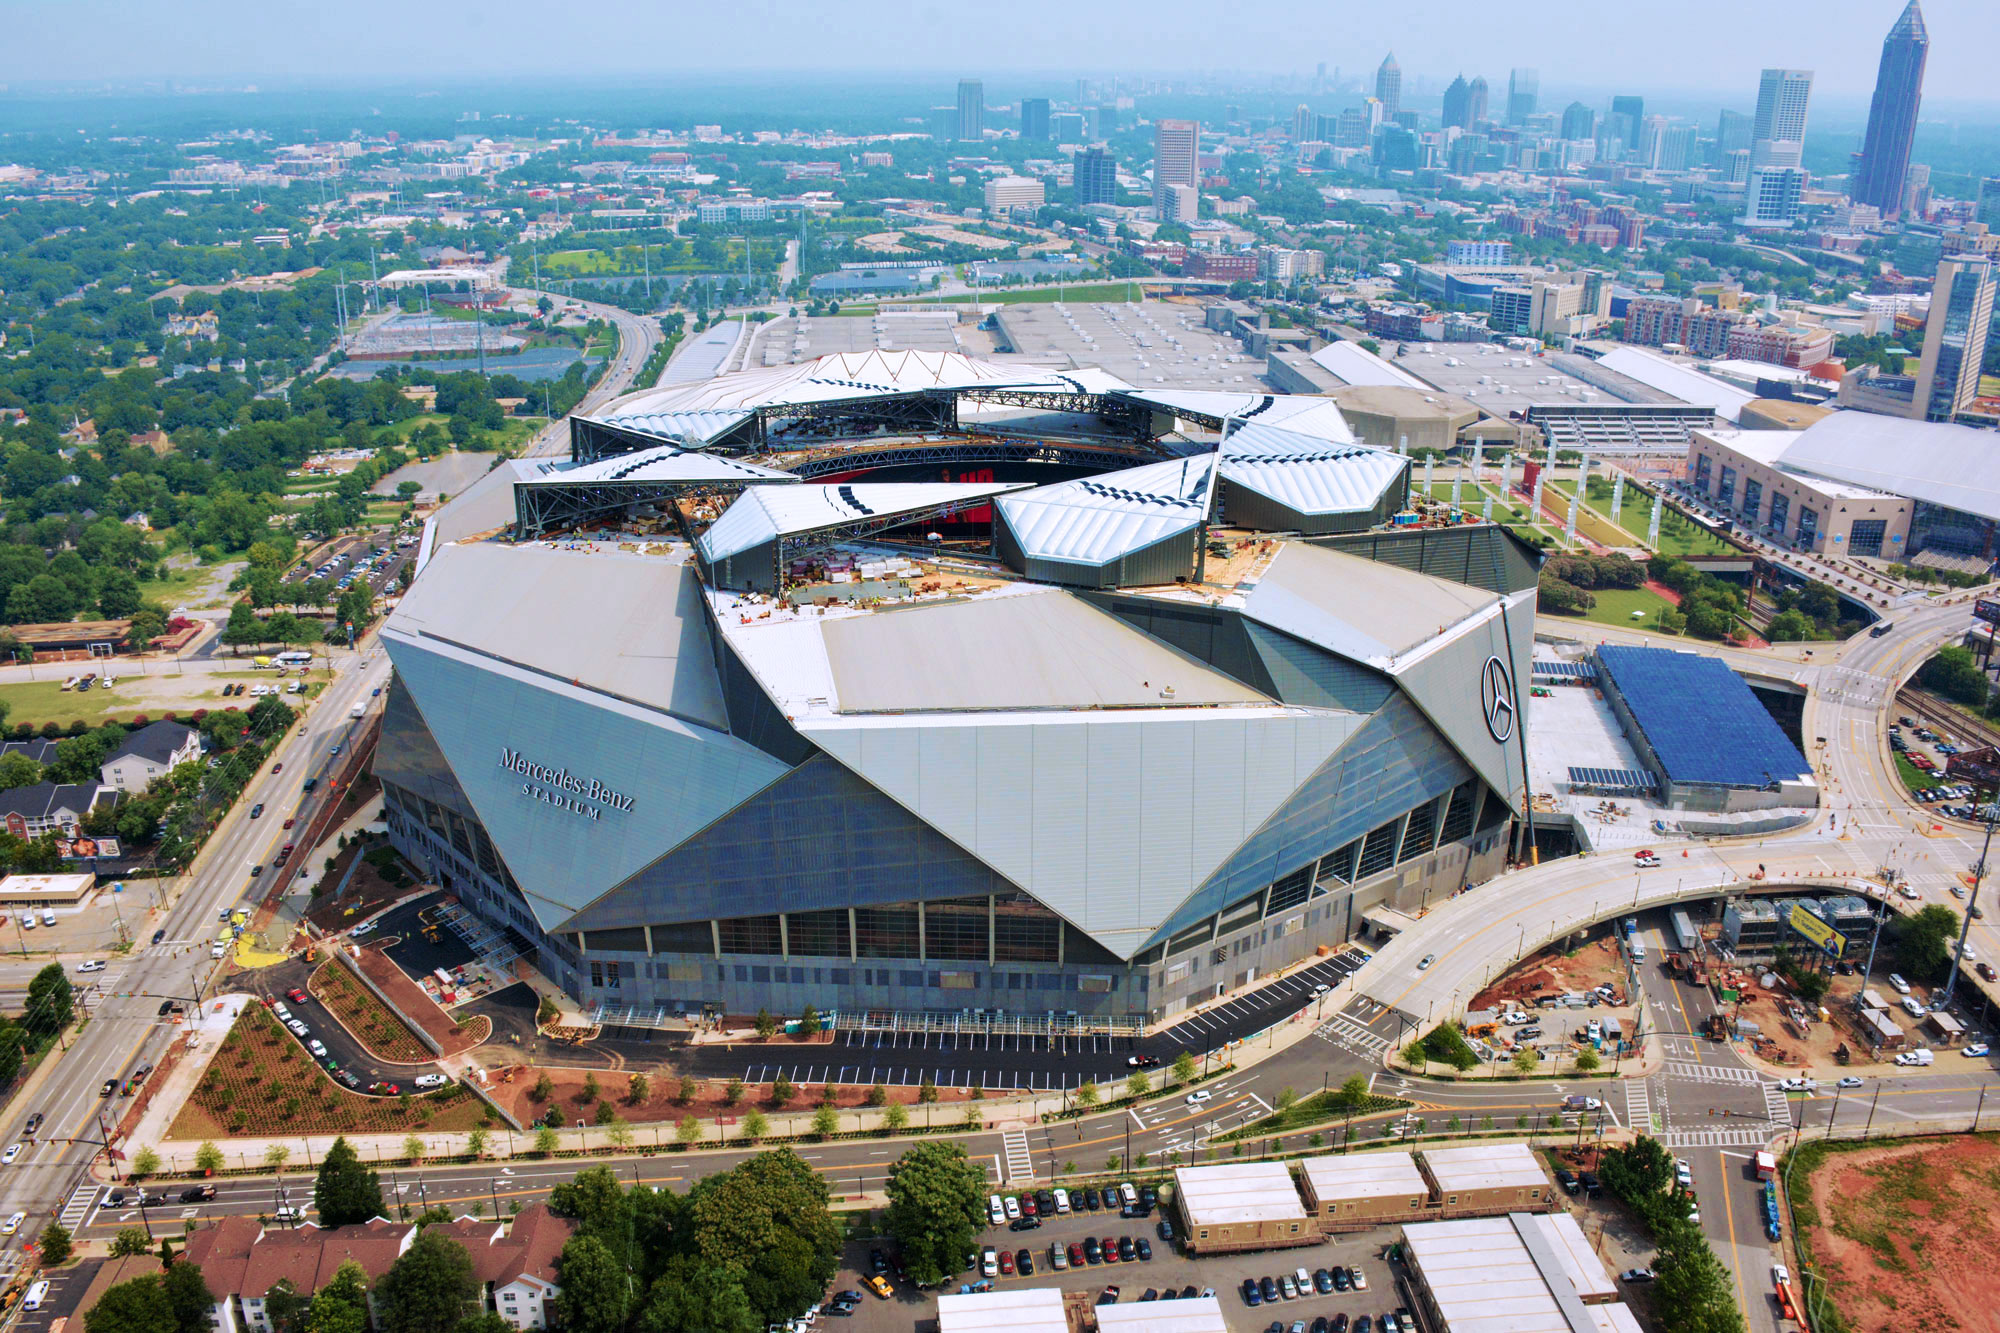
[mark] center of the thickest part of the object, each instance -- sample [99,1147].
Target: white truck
[357,710]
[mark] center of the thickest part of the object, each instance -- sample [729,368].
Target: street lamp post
[1972,904]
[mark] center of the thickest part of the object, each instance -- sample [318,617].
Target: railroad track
[1959,726]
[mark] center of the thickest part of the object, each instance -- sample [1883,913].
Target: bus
[295,658]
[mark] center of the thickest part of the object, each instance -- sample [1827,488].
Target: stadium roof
[1362,609]
[764,513]
[1700,719]
[1041,649]
[1307,474]
[668,463]
[697,426]
[838,377]
[1301,413]
[1956,467]
[1683,382]
[1095,520]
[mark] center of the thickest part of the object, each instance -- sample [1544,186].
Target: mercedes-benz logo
[1496,695]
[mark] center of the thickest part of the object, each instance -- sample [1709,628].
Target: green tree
[688,1132]
[1287,1098]
[1185,1067]
[341,1306]
[896,1117]
[547,1141]
[208,1157]
[475,1144]
[1139,1084]
[1587,1060]
[138,1306]
[606,1114]
[927,1091]
[809,1021]
[129,1241]
[767,1026]
[51,1003]
[1353,1094]
[188,1297]
[697,1297]
[688,1090]
[591,1090]
[145,1162]
[755,1126]
[826,1122]
[593,1287]
[429,1289]
[1923,942]
[17,770]
[55,1242]
[936,1209]
[770,1219]
[782,1091]
[1525,1060]
[346,1192]
[637,1089]
[1637,1171]
[599,1206]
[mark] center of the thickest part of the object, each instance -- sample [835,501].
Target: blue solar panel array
[1614,781]
[1565,670]
[1701,719]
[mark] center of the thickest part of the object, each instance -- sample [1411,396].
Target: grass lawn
[1678,534]
[1913,777]
[38,701]
[172,588]
[1616,605]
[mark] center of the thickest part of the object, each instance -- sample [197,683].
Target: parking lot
[1168,1270]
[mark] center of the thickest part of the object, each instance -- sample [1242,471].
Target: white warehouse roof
[1485,1166]
[1957,467]
[1199,1314]
[1009,1310]
[764,513]
[1682,382]
[1364,1175]
[1523,1273]
[1095,520]
[1238,1192]
[1355,364]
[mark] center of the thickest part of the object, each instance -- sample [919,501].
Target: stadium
[904,682]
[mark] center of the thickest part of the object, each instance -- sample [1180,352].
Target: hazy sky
[1648,44]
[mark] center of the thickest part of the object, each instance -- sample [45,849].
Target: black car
[1143,1061]
[116,1199]
[878,1262]
[1109,1196]
[1341,1281]
[1188,1293]
[1144,1248]
[1110,1296]
[197,1193]
[1024,1224]
[1268,1288]
[110,1086]
[1151,1294]
[1320,1325]
[1125,1250]
[1340,1323]
[1045,1203]
[1251,1295]
[257,810]
[1590,1183]
[159,935]
[1567,1179]
[1166,1229]
[1149,1197]
[1365,1324]
[34,1123]
[1084,1199]
[1024,1263]
[1093,1250]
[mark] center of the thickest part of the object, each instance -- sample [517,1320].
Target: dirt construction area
[1905,1234]
[1549,972]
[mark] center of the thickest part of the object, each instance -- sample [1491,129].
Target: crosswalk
[77,1207]
[1344,1032]
[1638,1105]
[1020,1158]
[1774,1101]
[1694,1073]
[1732,1136]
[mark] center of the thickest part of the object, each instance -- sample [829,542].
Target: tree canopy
[937,1209]
[346,1192]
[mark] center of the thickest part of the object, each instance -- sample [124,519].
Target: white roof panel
[668,463]
[1096,520]
[1008,1310]
[1238,1192]
[1956,467]
[682,427]
[1303,413]
[1362,609]
[841,376]
[1365,1175]
[763,513]
[1310,475]
[1199,1314]
[1682,382]
[1486,1166]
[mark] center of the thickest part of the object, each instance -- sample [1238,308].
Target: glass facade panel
[1024,931]
[1781,511]
[1753,499]
[958,928]
[1935,528]
[750,934]
[1378,853]
[1417,834]
[1703,469]
[817,934]
[1864,536]
[684,937]
[1726,490]
[886,932]
[1290,891]
[1191,938]
[1458,820]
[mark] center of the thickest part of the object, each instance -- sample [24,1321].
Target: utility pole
[1972,905]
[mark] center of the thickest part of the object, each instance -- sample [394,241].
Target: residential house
[516,1267]
[50,807]
[242,1261]
[149,753]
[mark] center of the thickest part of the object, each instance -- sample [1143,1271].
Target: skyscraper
[971,110]
[1732,131]
[1627,115]
[1955,336]
[1523,88]
[1771,199]
[1989,202]
[1034,118]
[1892,116]
[1475,101]
[1389,85]
[1096,177]
[1176,149]
[1579,121]
[1777,137]
[1457,101]
[1303,122]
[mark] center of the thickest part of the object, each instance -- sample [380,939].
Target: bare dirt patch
[1904,1233]
[260,1083]
[1595,964]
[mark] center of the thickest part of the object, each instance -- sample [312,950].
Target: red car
[1076,1254]
[1027,1205]
[1006,1263]
[296,996]
[1110,1249]
[290,822]
[384,1089]
[277,768]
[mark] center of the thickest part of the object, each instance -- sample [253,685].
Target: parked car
[1143,1061]
[1636,1275]
[431,1080]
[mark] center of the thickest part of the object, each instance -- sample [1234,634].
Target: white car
[361,929]
[217,949]
[1683,1174]
[12,1224]
[318,1050]
[13,1151]
[426,1080]
[93,965]
[1920,1056]
[1013,1207]
[1977,1049]
[1800,1084]
[1198,1096]
[1780,1274]
[1849,1081]
[1321,989]
[994,1212]
[298,1029]
[1646,862]
[1517,1019]
[284,1014]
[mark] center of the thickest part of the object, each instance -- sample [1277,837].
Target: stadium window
[1241,914]
[886,932]
[597,975]
[1458,820]
[1379,851]
[750,934]
[1192,938]
[958,929]
[1290,891]
[1340,865]
[684,937]
[1024,931]
[817,934]
[958,981]
[1418,830]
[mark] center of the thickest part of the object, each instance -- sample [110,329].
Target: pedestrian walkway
[1020,1159]
[1349,1035]
[1692,1073]
[1731,1136]
[1638,1105]
[1779,1105]
[78,1205]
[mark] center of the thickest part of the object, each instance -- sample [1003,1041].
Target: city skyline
[122,40]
